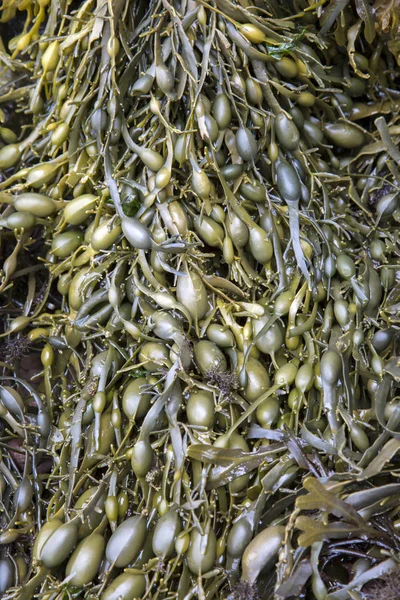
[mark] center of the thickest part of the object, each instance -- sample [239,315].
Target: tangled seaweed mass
[199,299]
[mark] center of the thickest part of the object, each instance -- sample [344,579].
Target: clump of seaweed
[15,348]
[387,588]
[225,381]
